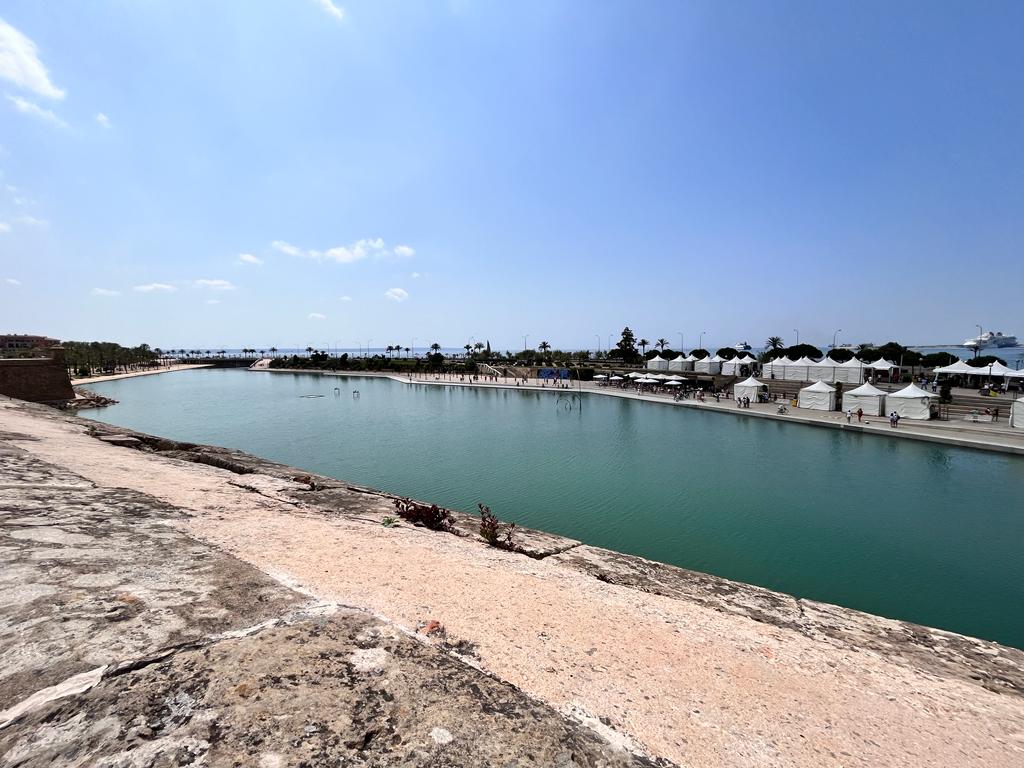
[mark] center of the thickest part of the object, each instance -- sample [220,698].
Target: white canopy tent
[1017,414]
[824,370]
[734,367]
[776,368]
[749,388]
[708,365]
[680,363]
[998,369]
[958,367]
[850,372]
[819,396]
[657,363]
[911,402]
[802,370]
[869,398]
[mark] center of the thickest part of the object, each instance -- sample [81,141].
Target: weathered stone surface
[946,654]
[342,690]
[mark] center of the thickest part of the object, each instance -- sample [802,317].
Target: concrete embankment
[169,603]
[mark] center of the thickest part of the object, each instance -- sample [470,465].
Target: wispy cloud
[370,247]
[105,292]
[31,108]
[20,64]
[397,294]
[4,227]
[317,316]
[248,258]
[414,275]
[215,285]
[154,288]
[213,301]
[12,281]
[31,221]
[331,9]
[102,119]
[346,298]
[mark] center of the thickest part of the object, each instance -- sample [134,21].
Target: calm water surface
[904,529]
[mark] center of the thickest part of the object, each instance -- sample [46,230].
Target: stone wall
[38,380]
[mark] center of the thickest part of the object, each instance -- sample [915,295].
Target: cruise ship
[991,339]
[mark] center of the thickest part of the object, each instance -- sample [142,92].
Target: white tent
[881,365]
[867,397]
[731,367]
[911,402]
[850,372]
[776,368]
[1017,414]
[824,370]
[750,388]
[819,396]
[708,365]
[998,369]
[657,363]
[958,367]
[680,364]
[801,370]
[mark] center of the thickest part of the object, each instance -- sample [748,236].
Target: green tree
[661,344]
[774,342]
[643,344]
[626,347]
[544,346]
[435,347]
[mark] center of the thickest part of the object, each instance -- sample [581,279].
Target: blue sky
[441,170]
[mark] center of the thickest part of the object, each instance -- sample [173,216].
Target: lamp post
[682,344]
[609,347]
[337,346]
[414,346]
[368,342]
[797,332]
[525,337]
[700,342]
[598,337]
[834,335]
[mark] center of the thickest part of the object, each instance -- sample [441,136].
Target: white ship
[741,346]
[991,339]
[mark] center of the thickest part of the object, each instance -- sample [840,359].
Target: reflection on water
[905,529]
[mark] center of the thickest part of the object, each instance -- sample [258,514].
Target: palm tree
[388,349]
[309,350]
[661,344]
[478,346]
[273,350]
[774,342]
[543,346]
[468,347]
[407,350]
[643,344]
[435,347]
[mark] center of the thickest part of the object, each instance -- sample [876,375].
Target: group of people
[743,402]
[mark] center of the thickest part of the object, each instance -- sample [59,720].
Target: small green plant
[388,521]
[493,531]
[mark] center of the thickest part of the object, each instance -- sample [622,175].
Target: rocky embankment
[166,603]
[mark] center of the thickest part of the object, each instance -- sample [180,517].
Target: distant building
[25,341]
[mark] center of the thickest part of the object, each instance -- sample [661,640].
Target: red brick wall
[40,380]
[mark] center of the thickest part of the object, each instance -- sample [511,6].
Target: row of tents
[853,371]
[911,402]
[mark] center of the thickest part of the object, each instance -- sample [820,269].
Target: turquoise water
[904,529]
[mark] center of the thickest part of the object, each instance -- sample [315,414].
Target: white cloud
[397,294]
[248,258]
[215,285]
[414,275]
[102,119]
[368,247]
[105,292]
[12,281]
[317,316]
[154,288]
[27,107]
[213,301]
[346,298]
[331,9]
[4,227]
[20,64]
[32,221]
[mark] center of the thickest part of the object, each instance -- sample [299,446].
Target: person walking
[860,415]
[849,415]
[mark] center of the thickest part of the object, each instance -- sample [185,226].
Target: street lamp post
[834,335]
[414,346]
[525,337]
[700,343]
[682,344]
[368,343]
[797,332]
[598,337]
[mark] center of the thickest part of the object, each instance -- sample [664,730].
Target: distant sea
[1013,356]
